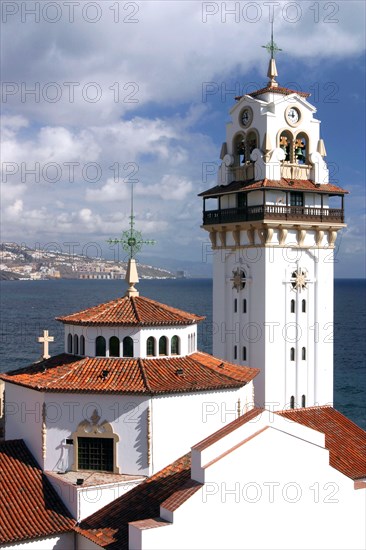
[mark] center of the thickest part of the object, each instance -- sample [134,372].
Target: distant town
[20,262]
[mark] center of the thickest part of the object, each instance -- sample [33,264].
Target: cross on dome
[45,340]
[131,242]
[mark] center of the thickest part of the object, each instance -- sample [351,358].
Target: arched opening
[100,346]
[303,306]
[239,149]
[244,305]
[163,347]
[251,143]
[235,352]
[127,346]
[69,343]
[303,354]
[301,148]
[292,306]
[76,344]
[150,346]
[235,305]
[303,401]
[292,402]
[244,353]
[286,144]
[174,345]
[114,346]
[82,345]
[292,354]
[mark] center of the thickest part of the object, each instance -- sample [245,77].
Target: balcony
[273,212]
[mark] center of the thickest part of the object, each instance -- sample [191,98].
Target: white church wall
[64,541]
[178,421]
[127,415]
[23,417]
[293,490]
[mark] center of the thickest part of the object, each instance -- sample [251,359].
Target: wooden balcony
[273,212]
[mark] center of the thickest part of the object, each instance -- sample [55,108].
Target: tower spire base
[132,278]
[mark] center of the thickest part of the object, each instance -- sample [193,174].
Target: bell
[299,154]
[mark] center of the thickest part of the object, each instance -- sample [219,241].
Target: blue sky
[119,97]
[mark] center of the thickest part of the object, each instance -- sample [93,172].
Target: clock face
[293,116]
[246,117]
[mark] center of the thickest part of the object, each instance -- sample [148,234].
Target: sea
[29,307]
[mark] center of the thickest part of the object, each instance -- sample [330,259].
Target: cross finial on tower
[272,48]
[45,340]
[131,242]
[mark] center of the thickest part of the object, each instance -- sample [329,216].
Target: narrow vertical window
[82,345]
[150,346]
[114,346]
[303,401]
[303,306]
[244,353]
[235,352]
[292,306]
[303,354]
[244,305]
[69,343]
[100,346]
[163,346]
[76,344]
[235,305]
[174,346]
[127,346]
[292,354]
[292,402]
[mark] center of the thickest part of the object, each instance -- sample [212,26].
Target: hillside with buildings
[20,262]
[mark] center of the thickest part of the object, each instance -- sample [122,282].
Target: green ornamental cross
[131,240]
[272,47]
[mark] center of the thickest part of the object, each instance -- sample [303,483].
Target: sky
[99,95]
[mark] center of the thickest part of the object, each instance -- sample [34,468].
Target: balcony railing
[273,212]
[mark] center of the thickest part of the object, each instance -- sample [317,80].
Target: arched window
[82,345]
[292,354]
[251,143]
[301,148]
[100,346]
[303,354]
[69,343]
[235,305]
[286,144]
[244,353]
[303,306]
[150,346]
[235,352]
[127,346]
[244,305]
[303,401]
[292,402]
[174,345]
[163,348]
[292,306]
[76,344]
[114,346]
[239,149]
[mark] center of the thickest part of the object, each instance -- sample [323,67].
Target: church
[120,441]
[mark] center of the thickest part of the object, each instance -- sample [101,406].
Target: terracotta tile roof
[275,90]
[131,312]
[29,506]
[71,374]
[345,440]
[109,526]
[286,184]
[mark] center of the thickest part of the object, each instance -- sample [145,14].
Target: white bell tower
[273,224]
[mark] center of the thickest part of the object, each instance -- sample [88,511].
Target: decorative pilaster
[148,435]
[44,431]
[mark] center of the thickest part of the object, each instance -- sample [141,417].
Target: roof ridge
[132,298]
[141,365]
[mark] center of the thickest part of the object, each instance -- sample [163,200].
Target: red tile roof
[275,90]
[109,526]
[345,440]
[131,312]
[29,506]
[68,373]
[285,184]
